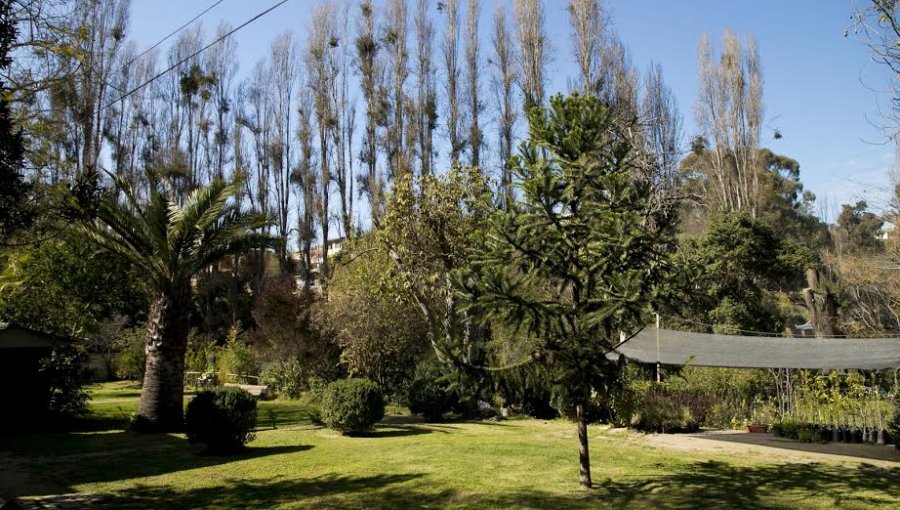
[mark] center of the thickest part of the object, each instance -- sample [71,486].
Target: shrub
[223,419]
[788,429]
[352,406]
[66,373]
[237,358]
[285,378]
[133,357]
[660,409]
[430,394]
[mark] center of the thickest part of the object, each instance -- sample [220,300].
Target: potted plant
[763,414]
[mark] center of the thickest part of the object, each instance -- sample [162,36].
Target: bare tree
[223,65]
[283,79]
[370,70]
[878,25]
[395,35]
[662,137]
[729,114]
[105,23]
[472,73]
[505,73]
[304,178]
[588,29]
[532,49]
[451,67]
[254,117]
[342,132]
[426,98]
[321,68]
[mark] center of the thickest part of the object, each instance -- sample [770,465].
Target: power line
[201,50]
[179,29]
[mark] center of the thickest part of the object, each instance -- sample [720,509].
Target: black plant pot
[835,434]
[857,436]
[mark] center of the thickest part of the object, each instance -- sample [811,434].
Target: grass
[518,463]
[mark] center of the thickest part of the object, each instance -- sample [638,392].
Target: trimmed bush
[352,406]
[222,418]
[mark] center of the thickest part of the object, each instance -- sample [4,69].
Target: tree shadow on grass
[398,430]
[702,485]
[58,462]
[346,491]
[718,485]
[713,484]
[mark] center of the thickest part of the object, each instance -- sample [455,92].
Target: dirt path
[769,447]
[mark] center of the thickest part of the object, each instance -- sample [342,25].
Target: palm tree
[171,241]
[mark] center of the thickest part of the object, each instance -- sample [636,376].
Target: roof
[13,336]
[711,350]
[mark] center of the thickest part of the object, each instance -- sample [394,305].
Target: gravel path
[767,446]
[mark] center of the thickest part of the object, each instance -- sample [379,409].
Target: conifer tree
[574,262]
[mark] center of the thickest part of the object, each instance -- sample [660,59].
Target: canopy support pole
[658,375]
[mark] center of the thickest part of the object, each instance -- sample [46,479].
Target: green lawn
[407,464]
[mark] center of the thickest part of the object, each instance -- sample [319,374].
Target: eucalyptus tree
[170,242]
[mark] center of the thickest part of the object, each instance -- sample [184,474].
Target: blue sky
[817,90]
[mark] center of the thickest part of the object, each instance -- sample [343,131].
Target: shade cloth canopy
[711,350]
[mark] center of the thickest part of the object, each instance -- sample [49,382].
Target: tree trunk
[822,306]
[584,457]
[162,396]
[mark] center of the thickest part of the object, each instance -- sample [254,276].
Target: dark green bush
[430,394]
[65,374]
[352,406]
[222,418]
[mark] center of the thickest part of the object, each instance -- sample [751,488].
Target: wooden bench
[259,391]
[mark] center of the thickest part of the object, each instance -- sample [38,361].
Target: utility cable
[166,38]
[201,50]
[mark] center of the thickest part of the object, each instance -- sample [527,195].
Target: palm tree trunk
[162,396]
[584,457]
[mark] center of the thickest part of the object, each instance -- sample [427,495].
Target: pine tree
[575,261]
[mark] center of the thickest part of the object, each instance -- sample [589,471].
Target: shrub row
[814,433]
[661,409]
